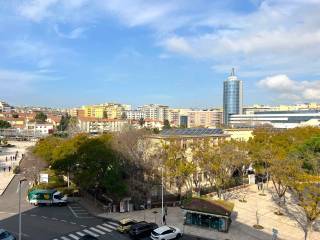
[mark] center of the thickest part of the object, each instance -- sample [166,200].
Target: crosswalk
[78,211]
[95,231]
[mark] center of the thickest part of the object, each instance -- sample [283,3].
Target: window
[167,232]
[4,235]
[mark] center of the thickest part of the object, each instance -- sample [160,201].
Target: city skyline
[68,54]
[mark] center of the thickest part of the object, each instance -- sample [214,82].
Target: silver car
[5,235]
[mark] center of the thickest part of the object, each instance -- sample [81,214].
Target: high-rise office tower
[232,97]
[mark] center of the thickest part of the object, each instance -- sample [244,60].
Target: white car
[166,233]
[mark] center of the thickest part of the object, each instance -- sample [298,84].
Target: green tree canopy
[40,117]
[4,124]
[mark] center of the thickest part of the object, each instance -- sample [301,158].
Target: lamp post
[20,181]
[162,195]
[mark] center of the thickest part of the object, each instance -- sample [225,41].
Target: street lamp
[20,181]
[162,195]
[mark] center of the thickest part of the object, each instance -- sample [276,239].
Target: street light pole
[162,195]
[20,181]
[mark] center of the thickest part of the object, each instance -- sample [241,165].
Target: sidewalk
[6,177]
[244,217]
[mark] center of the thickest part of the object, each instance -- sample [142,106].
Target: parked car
[5,235]
[166,233]
[88,237]
[142,229]
[125,225]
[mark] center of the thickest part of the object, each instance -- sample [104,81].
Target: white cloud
[178,45]
[35,53]
[277,36]
[291,89]
[74,34]
[37,10]
[17,81]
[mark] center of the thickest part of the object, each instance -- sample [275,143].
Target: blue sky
[178,52]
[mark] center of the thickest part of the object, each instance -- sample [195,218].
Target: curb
[8,184]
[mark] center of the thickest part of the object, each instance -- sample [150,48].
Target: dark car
[5,235]
[142,229]
[88,237]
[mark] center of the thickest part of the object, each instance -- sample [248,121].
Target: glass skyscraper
[232,97]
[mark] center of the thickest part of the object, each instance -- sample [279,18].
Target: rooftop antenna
[232,72]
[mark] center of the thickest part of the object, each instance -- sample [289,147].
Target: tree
[307,191]
[73,128]
[141,122]
[44,148]
[124,116]
[177,166]
[141,164]
[309,154]
[166,124]
[40,117]
[64,122]
[4,124]
[91,162]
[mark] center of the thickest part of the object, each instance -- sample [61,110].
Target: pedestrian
[164,219]
[9,169]
[6,159]
[4,169]
[166,210]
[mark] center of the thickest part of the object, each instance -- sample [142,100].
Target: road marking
[73,223]
[72,211]
[104,228]
[83,226]
[54,219]
[113,223]
[33,215]
[74,236]
[91,233]
[80,234]
[65,238]
[44,217]
[63,220]
[97,230]
[109,226]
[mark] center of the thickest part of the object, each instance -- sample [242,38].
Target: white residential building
[134,114]
[98,125]
[39,128]
[155,112]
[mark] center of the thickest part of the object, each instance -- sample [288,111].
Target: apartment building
[205,118]
[155,112]
[134,114]
[5,107]
[107,110]
[99,125]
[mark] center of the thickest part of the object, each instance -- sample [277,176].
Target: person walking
[164,219]
[166,210]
